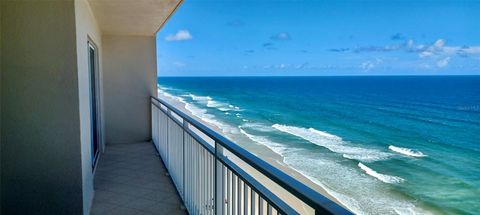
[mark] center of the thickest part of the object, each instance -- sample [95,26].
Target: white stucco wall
[86,29]
[129,79]
[40,151]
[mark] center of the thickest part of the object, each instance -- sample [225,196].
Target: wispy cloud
[370,65]
[437,49]
[281,66]
[367,66]
[282,36]
[387,48]
[360,49]
[443,62]
[302,66]
[179,36]
[440,49]
[268,45]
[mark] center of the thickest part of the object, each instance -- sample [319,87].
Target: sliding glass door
[94,108]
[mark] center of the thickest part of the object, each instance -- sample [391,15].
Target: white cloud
[425,54]
[179,36]
[369,65]
[443,62]
[302,66]
[439,43]
[472,50]
[439,49]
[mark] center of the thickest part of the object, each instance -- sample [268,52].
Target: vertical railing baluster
[168,138]
[194,178]
[252,202]
[202,180]
[229,199]
[224,190]
[245,198]
[260,205]
[239,196]
[218,178]
[183,153]
[190,173]
[199,177]
[212,183]
[209,180]
[234,194]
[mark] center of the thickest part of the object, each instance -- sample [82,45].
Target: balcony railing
[213,175]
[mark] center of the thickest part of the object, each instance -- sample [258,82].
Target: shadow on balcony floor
[130,179]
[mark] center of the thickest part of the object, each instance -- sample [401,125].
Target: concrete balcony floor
[130,179]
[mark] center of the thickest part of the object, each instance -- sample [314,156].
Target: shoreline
[269,156]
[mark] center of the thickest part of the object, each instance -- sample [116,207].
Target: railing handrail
[317,201]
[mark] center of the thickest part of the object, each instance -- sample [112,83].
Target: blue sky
[281,38]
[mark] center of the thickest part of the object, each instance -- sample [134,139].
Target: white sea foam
[162,87]
[334,143]
[209,118]
[385,178]
[222,106]
[258,126]
[210,102]
[276,147]
[203,99]
[162,92]
[199,112]
[406,151]
[360,194]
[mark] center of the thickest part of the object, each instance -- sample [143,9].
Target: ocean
[380,145]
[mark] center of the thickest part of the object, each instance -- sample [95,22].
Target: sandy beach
[268,155]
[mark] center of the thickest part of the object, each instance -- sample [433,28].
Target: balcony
[131,179]
[213,175]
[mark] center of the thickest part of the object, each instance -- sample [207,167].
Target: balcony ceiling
[132,17]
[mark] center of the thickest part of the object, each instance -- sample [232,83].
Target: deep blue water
[353,135]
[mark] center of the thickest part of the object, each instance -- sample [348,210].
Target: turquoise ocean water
[380,145]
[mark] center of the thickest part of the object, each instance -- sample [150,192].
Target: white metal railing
[199,161]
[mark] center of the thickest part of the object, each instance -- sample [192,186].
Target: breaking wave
[258,126]
[334,143]
[406,151]
[275,147]
[385,178]
[210,102]
[199,112]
